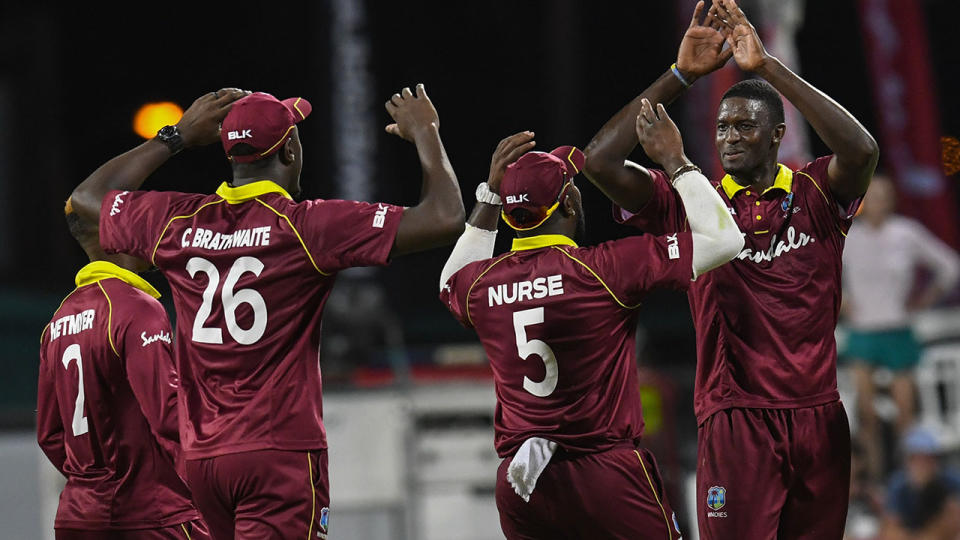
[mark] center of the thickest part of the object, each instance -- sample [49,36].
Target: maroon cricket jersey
[250,271]
[558,324]
[107,405]
[765,321]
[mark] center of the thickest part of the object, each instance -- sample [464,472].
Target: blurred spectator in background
[866,499]
[883,255]
[923,499]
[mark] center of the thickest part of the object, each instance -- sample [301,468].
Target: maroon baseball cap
[536,182]
[262,121]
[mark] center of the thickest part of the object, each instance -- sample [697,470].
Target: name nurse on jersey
[538,288]
[208,239]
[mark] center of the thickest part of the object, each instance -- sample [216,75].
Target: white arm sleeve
[716,237]
[475,244]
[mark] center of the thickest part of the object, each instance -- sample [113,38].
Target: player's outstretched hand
[200,123]
[509,150]
[748,51]
[659,136]
[701,50]
[411,113]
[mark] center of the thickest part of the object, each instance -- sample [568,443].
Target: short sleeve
[456,290]
[662,214]
[131,222]
[631,267]
[831,212]
[343,234]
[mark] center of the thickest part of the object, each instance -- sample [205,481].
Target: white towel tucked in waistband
[528,464]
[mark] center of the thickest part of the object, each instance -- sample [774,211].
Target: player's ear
[569,205]
[288,152]
[778,132]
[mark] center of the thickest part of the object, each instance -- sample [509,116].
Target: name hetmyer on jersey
[72,324]
[208,239]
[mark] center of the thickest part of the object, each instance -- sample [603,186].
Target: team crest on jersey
[324,519]
[716,497]
[787,202]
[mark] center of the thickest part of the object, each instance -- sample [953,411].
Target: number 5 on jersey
[231,300]
[521,320]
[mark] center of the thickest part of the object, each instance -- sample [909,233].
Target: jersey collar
[783,181]
[234,195]
[540,241]
[99,270]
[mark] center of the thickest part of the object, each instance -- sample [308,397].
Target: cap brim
[572,156]
[300,107]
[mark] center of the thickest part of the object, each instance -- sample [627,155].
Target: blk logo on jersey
[244,134]
[716,499]
[517,199]
[380,217]
[673,247]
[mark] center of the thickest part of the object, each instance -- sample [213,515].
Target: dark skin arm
[621,180]
[855,150]
[487,216]
[437,219]
[199,125]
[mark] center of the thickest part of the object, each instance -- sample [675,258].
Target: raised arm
[855,150]
[623,181]
[438,218]
[477,241]
[716,237]
[200,125]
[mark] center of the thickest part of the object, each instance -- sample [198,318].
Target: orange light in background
[153,116]
[950,154]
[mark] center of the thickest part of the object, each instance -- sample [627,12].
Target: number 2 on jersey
[231,300]
[521,320]
[79,423]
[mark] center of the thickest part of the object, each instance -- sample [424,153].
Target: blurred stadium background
[408,396]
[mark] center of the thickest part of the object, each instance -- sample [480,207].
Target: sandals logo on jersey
[159,336]
[117,201]
[716,499]
[676,525]
[778,246]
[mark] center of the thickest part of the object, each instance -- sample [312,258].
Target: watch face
[167,132]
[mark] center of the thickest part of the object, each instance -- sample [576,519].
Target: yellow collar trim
[784,181]
[234,195]
[100,270]
[541,241]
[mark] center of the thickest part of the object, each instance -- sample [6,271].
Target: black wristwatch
[170,136]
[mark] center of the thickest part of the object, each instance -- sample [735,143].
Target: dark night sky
[75,75]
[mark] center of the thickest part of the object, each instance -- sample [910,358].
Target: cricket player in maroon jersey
[106,406]
[557,322]
[250,271]
[773,438]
